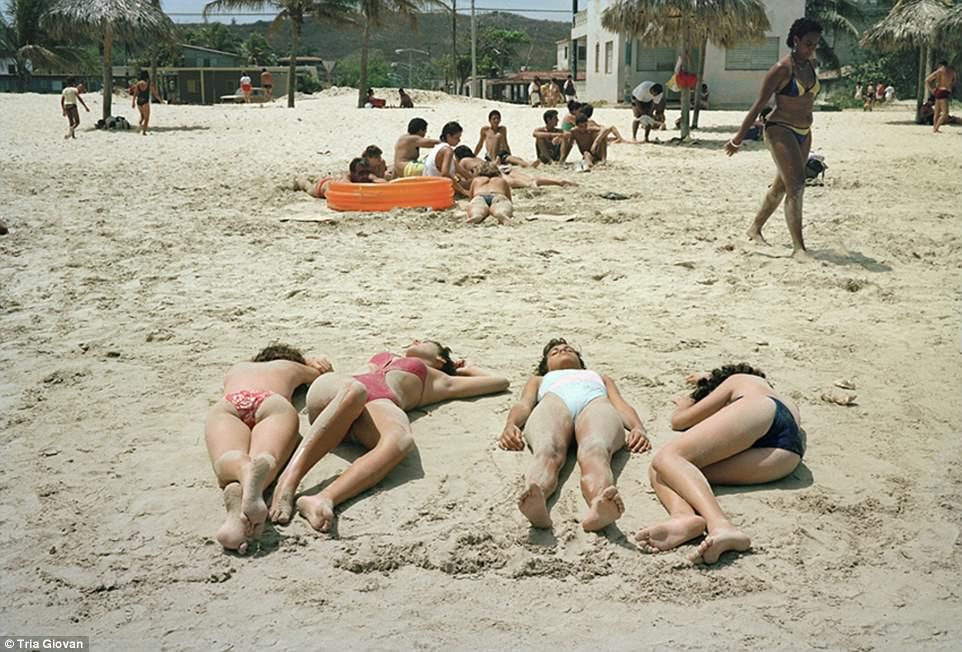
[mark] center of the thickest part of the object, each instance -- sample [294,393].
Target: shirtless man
[252,431]
[592,142]
[468,166]
[490,195]
[494,138]
[267,83]
[552,144]
[940,83]
[407,149]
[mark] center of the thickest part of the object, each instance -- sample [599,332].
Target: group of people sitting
[737,430]
[373,102]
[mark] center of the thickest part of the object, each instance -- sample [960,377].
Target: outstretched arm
[688,413]
[637,440]
[472,381]
[511,438]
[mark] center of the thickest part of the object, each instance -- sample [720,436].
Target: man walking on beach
[940,83]
[68,105]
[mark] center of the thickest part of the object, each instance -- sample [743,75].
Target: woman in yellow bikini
[788,131]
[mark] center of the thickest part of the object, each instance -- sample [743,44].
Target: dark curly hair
[444,352]
[542,368]
[800,28]
[707,385]
[279,351]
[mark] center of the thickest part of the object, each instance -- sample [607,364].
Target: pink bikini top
[387,361]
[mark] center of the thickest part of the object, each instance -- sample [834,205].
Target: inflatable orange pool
[412,192]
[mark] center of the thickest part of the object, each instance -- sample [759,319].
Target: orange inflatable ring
[411,192]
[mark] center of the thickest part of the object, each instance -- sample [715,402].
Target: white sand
[138,269]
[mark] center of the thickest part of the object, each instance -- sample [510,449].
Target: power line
[514,10]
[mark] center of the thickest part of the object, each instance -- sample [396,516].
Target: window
[566,53]
[597,57]
[193,86]
[609,56]
[655,59]
[752,57]
[628,45]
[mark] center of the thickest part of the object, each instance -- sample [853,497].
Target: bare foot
[605,509]
[533,505]
[282,505]
[233,533]
[318,510]
[755,235]
[670,534]
[253,479]
[718,543]
[802,256]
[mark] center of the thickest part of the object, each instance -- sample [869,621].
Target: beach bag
[815,168]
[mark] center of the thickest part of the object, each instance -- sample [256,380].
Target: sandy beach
[137,270]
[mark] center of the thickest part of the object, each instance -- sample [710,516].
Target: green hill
[433,34]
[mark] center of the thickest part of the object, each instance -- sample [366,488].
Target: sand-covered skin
[138,269]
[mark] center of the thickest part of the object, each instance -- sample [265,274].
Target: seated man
[647,100]
[407,149]
[550,143]
[406,101]
[494,138]
[490,195]
[592,142]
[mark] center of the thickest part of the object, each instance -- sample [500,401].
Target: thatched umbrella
[949,29]
[106,19]
[685,23]
[910,23]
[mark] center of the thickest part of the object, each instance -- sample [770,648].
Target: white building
[613,65]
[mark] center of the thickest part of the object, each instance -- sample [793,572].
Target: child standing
[68,106]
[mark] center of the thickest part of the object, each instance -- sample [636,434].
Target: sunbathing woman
[252,431]
[738,431]
[370,408]
[788,131]
[469,165]
[563,400]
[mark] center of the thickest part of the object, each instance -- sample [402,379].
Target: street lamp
[411,52]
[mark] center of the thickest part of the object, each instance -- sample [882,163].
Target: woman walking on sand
[142,92]
[788,133]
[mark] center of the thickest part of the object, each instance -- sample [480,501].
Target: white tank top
[430,163]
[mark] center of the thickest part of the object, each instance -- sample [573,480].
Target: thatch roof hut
[688,23]
[949,29]
[106,19]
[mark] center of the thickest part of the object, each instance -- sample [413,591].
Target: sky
[544,9]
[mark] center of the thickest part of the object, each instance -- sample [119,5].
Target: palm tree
[687,23]
[838,15]
[949,29]
[105,19]
[296,11]
[372,14]
[23,39]
[910,23]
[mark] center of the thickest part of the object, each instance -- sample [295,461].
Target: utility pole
[454,45]
[573,52]
[474,54]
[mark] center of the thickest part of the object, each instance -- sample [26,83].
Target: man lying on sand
[252,431]
[562,402]
[407,149]
[469,164]
[490,195]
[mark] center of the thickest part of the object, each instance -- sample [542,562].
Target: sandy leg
[318,510]
[233,533]
[252,481]
[282,505]
[533,505]
[605,509]
[718,543]
[670,534]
